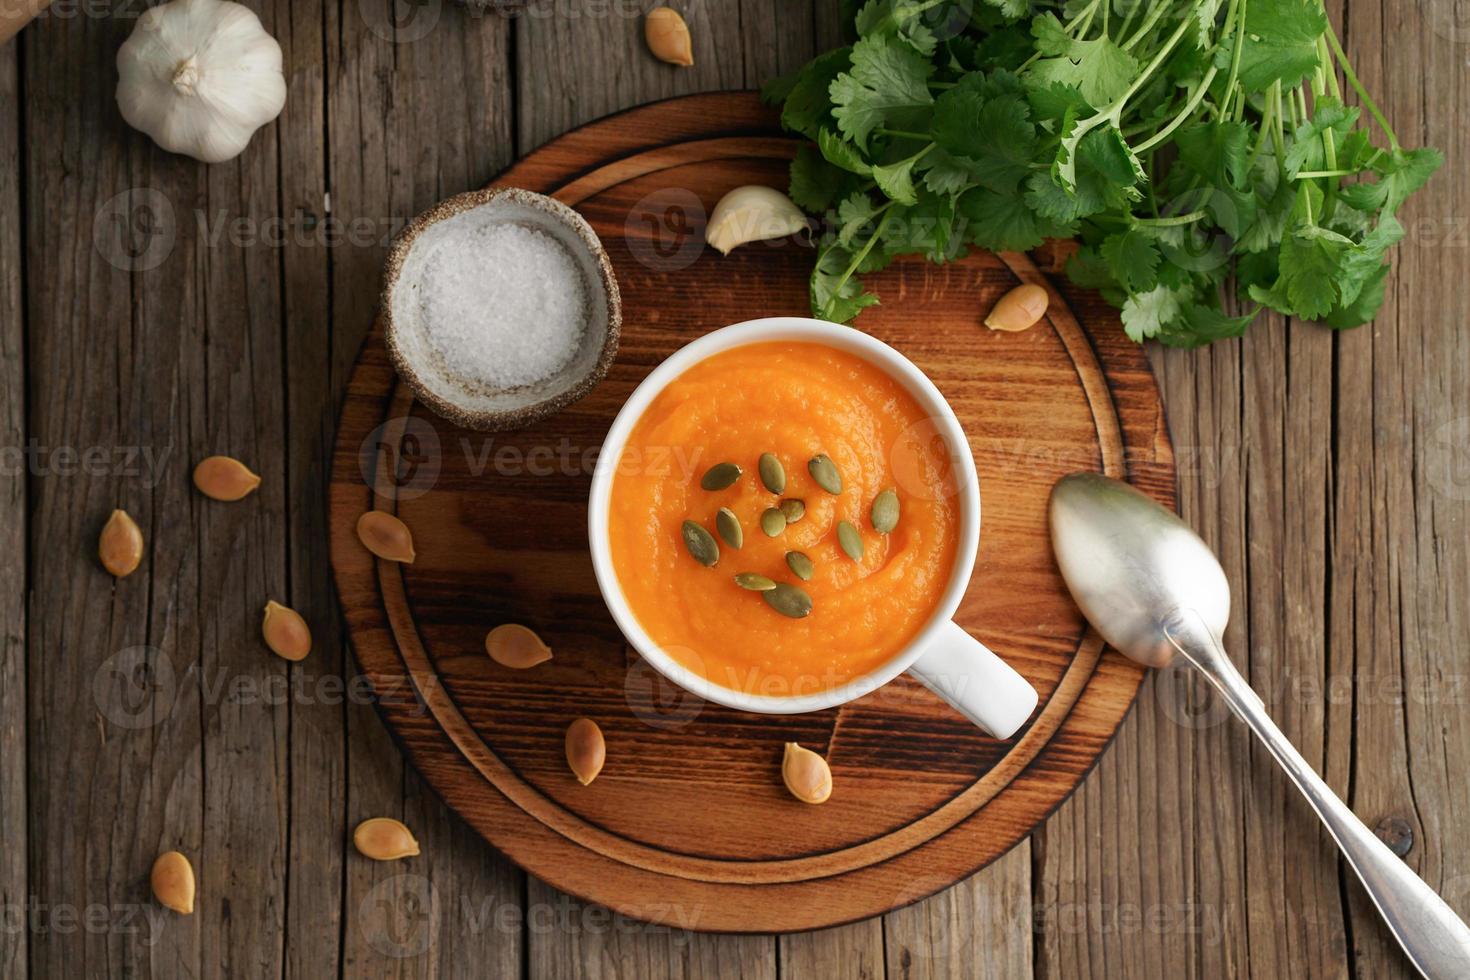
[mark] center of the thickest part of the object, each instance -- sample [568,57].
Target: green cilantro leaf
[1133,259]
[1280,43]
[886,78]
[1145,314]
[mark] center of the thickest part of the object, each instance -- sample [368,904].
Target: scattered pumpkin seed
[825,472]
[800,565]
[172,880]
[729,527]
[794,509]
[224,478]
[773,474]
[754,582]
[586,749]
[885,511]
[285,632]
[515,646]
[701,543]
[719,476]
[385,536]
[850,539]
[384,839]
[806,774]
[773,521]
[788,600]
[667,35]
[120,546]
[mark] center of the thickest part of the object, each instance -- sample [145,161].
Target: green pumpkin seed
[729,527]
[801,566]
[701,543]
[773,522]
[851,540]
[754,582]
[788,600]
[824,471]
[885,512]
[794,509]
[773,474]
[720,476]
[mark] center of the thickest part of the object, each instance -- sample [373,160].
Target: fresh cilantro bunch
[1186,144]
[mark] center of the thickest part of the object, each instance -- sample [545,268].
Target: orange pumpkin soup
[795,400]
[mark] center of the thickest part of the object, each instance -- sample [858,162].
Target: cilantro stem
[862,253]
[1171,222]
[1363,96]
[1189,107]
[1313,174]
[1239,34]
[903,134]
[1148,24]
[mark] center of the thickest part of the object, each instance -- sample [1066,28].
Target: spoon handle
[1436,940]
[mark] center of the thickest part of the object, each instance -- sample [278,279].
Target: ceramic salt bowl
[433,376]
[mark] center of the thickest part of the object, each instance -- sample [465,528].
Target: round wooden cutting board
[689,823]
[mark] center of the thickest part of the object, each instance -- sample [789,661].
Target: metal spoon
[1154,591]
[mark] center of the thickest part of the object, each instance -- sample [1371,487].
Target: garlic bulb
[200,77]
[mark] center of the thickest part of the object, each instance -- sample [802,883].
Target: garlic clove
[752,213]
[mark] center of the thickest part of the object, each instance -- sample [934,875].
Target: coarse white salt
[504,305]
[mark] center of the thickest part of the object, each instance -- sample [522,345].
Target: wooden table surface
[154,310]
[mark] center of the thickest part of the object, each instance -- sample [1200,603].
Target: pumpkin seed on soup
[720,476]
[824,471]
[788,600]
[729,527]
[885,512]
[794,509]
[773,521]
[701,543]
[850,539]
[801,566]
[772,473]
[754,582]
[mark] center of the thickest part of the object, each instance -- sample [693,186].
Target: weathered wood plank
[853,951]
[1401,559]
[14,948]
[116,719]
[571,938]
[316,761]
[980,928]
[417,109]
[576,64]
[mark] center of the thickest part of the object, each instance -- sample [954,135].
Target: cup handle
[975,682]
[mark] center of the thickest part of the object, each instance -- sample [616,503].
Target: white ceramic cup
[947,659]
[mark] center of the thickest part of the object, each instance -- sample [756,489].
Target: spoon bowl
[1128,562]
